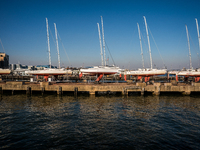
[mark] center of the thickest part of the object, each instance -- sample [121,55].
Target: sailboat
[104,69]
[50,71]
[145,72]
[190,72]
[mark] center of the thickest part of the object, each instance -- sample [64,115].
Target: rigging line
[52,36]
[195,49]
[183,31]
[110,53]
[146,47]
[132,41]
[2,46]
[64,49]
[144,42]
[157,47]
[53,41]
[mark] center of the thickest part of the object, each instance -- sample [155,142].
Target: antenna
[100,44]
[48,42]
[57,45]
[141,46]
[189,46]
[148,41]
[103,41]
[198,32]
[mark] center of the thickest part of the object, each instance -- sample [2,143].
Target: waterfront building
[4,61]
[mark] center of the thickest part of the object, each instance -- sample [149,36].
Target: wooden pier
[92,89]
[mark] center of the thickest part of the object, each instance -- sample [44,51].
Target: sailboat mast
[198,32]
[141,45]
[100,44]
[189,46]
[103,41]
[48,42]
[148,41]
[57,45]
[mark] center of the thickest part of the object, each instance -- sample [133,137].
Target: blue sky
[23,31]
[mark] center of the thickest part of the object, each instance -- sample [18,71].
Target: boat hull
[191,74]
[146,73]
[5,71]
[47,72]
[100,70]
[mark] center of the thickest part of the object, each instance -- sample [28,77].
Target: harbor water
[103,122]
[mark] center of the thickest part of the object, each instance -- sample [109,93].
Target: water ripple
[64,122]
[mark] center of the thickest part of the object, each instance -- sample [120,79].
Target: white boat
[47,72]
[189,72]
[148,71]
[50,71]
[97,70]
[104,69]
[4,71]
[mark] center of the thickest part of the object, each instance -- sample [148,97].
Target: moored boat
[4,71]
[47,72]
[145,72]
[104,69]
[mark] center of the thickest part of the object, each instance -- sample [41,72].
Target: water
[65,122]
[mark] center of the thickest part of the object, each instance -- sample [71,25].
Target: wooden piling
[1,91]
[28,91]
[142,92]
[42,90]
[124,92]
[75,91]
[59,91]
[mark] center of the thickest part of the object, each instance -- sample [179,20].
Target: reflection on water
[60,122]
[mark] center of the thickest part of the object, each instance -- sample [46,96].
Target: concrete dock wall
[124,88]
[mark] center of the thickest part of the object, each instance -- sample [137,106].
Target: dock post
[125,92]
[156,90]
[92,93]
[186,93]
[142,92]
[28,90]
[75,91]
[59,91]
[42,90]
[156,93]
[12,92]
[1,91]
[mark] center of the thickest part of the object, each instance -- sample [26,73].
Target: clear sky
[23,31]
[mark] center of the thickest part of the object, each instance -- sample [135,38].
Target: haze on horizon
[23,31]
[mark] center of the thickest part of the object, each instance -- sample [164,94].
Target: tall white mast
[198,32]
[148,41]
[103,41]
[48,42]
[100,44]
[57,45]
[189,46]
[141,45]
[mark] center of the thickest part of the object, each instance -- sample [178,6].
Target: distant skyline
[24,38]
